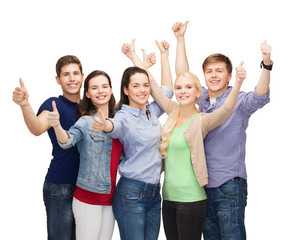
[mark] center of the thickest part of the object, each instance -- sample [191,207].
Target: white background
[35,34]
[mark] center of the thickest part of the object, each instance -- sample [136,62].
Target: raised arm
[239,78]
[264,80]
[181,64]
[35,124]
[54,121]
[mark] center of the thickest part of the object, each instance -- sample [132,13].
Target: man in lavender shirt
[225,145]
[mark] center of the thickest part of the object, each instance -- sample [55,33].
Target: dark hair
[65,60]
[125,82]
[217,57]
[86,106]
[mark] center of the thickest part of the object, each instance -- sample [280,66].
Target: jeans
[137,209]
[226,211]
[58,203]
[184,220]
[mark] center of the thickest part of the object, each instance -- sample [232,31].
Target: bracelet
[268,67]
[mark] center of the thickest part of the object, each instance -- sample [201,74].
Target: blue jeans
[137,209]
[58,203]
[226,211]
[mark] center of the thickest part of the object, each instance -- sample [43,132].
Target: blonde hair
[174,116]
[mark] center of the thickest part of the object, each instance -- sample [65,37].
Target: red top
[100,198]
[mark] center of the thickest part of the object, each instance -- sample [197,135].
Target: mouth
[73,85]
[142,96]
[101,97]
[215,82]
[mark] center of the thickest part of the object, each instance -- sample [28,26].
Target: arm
[264,80]
[36,124]
[181,64]
[214,119]
[54,121]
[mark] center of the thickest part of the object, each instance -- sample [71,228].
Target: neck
[186,112]
[73,98]
[215,94]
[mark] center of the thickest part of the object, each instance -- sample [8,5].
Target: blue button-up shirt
[225,145]
[140,137]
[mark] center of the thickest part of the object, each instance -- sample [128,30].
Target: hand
[20,95]
[266,52]
[164,47]
[240,73]
[179,29]
[148,59]
[54,116]
[129,49]
[99,122]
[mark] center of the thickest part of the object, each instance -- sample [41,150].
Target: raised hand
[179,29]
[54,116]
[164,47]
[240,73]
[148,59]
[129,49]
[266,52]
[20,94]
[99,123]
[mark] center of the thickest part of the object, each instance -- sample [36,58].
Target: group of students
[201,151]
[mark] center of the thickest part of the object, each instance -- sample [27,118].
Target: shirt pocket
[97,142]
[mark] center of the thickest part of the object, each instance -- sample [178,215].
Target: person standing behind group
[225,145]
[184,198]
[99,158]
[59,184]
[137,200]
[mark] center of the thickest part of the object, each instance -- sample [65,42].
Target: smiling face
[186,91]
[138,90]
[70,79]
[216,78]
[99,91]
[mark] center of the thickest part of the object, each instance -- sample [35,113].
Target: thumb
[133,43]
[241,63]
[21,83]
[100,115]
[186,23]
[54,105]
[144,54]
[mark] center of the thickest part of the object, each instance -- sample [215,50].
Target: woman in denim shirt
[137,201]
[99,157]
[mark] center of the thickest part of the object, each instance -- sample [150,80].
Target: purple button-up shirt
[225,145]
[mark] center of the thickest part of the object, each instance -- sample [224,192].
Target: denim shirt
[95,155]
[140,137]
[225,146]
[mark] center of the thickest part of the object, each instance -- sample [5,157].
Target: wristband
[268,67]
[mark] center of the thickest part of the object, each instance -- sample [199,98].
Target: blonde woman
[184,198]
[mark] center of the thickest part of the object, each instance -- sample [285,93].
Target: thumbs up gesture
[99,123]
[54,116]
[20,94]
[240,73]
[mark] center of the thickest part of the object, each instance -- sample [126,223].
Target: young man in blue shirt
[59,184]
[225,145]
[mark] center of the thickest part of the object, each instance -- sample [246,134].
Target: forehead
[138,78]
[98,80]
[215,65]
[182,80]
[71,67]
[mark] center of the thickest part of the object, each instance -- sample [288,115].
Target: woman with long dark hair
[99,157]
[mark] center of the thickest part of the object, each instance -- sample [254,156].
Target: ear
[229,77]
[58,80]
[87,95]
[125,90]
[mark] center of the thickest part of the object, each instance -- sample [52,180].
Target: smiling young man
[59,184]
[225,145]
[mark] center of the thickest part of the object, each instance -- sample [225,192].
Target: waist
[145,187]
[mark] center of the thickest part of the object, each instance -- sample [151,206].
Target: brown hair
[86,106]
[65,60]
[217,57]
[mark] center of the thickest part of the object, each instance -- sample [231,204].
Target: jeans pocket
[229,190]
[130,196]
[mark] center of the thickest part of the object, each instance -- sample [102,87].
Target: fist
[54,116]
[240,72]
[266,52]
[20,94]
[99,122]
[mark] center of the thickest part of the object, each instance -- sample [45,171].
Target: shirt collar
[134,111]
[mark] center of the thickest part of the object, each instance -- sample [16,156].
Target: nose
[72,77]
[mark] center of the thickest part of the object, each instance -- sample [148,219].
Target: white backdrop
[35,34]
